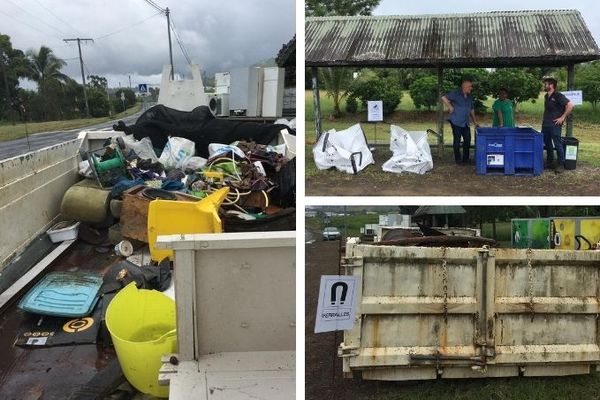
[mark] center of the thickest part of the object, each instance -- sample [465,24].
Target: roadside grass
[11,132]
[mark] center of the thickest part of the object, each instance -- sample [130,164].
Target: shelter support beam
[570,86]
[440,112]
[316,100]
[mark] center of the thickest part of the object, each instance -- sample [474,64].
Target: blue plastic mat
[63,294]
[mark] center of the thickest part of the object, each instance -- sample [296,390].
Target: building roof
[490,39]
[439,210]
[287,54]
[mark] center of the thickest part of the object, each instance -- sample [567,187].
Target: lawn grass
[502,231]
[586,125]
[11,132]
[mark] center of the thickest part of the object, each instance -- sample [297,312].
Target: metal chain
[530,282]
[445,283]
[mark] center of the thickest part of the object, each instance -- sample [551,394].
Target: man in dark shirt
[556,110]
[460,107]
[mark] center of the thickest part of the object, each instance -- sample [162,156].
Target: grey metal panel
[468,310]
[235,293]
[506,38]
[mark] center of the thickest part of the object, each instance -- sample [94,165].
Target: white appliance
[273,86]
[222,82]
[246,91]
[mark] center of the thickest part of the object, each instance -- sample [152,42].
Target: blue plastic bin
[509,151]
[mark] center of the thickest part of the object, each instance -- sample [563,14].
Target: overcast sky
[589,8]
[218,35]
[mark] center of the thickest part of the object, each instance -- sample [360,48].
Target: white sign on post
[375,111]
[576,96]
[337,303]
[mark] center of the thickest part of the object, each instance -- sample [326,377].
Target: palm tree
[336,82]
[44,67]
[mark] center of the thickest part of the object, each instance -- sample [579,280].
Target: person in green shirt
[503,111]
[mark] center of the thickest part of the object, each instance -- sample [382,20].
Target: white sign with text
[576,96]
[337,303]
[375,111]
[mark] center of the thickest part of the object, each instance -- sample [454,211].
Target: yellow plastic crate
[166,217]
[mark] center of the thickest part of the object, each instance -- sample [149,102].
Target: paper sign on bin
[337,303]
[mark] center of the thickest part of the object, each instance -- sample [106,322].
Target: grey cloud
[218,35]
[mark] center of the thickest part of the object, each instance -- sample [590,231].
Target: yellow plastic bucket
[142,327]
[166,217]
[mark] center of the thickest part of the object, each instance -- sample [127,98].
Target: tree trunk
[494,229]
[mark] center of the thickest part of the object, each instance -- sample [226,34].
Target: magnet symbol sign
[78,325]
[334,291]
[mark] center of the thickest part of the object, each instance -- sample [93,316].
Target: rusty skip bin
[429,312]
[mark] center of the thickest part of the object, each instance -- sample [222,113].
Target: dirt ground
[448,179]
[324,380]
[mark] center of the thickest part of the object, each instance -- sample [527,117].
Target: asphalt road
[40,140]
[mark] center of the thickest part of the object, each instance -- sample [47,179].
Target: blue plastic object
[509,151]
[63,294]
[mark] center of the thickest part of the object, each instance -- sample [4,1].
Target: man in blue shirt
[460,106]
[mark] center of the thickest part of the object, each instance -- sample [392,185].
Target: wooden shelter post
[316,100]
[570,86]
[440,111]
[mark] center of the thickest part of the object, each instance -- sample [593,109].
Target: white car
[331,233]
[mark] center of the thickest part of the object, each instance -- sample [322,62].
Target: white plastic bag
[345,150]
[216,149]
[177,152]
[194,163]
[85,169]
[291,123]
[143,148]
[410,152]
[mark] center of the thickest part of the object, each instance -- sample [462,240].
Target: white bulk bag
[345,150]
[410,152]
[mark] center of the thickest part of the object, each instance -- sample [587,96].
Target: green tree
[98,102]
[521,85]
[98,82]
[336,82]
[369,86]
[129,97]
[13,65]
[480,78]
[45,67]
[587,79]
[320,8]
[424,91]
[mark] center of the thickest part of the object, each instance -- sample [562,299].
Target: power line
[180,43]
[79,40]
[127,27]
[156,6]
[30,26]
[35,16]
[57,17]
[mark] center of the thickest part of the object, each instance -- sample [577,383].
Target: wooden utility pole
[79,40]
[167,13]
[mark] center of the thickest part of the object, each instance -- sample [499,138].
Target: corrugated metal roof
[491,39]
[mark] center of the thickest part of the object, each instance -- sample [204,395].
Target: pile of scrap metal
[199,161]
[430,237]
